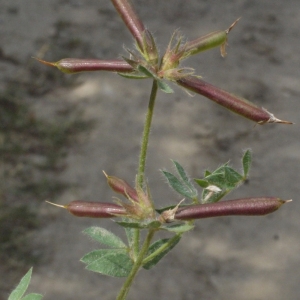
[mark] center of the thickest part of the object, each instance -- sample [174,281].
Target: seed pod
[75,65]
[93,209]
[241,207]
[211,40]
[234,103]
[131,20]
[122,187]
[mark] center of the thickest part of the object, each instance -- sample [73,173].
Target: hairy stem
[138,263]
[145,139]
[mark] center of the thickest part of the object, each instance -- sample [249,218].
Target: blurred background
[58,132]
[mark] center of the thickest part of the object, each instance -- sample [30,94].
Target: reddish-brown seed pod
[241,207]
[93,209]
[234,103]
[131,20]
[76,65]
[122,187]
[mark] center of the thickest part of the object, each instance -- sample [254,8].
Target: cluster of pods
[136,203]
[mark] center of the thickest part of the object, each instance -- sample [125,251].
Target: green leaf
[178,186]
[145,71]
[113,264]
[133,241]
[140,225]
[154,224]
[21,288]
[33,296]
[133,75]
[181,172]
[225,178]
[232,177]
[130,233]
[164,87]
[165,245]
[161,84]
[247,160]
[97,254]
[206,173]
[184,177]
[202,182]
[105,237]
[217,179]
[133,225]
[179,228]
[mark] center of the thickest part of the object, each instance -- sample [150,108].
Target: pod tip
[47,63]
[58,205]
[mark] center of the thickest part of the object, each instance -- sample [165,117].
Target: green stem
[141,179]
[145,139]
[138,263]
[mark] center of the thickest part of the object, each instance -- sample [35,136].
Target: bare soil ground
[235,258]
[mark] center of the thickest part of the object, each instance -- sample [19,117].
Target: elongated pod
[234,103]
[208,41]
[76,65]
[88,209]
[131,19]
[122,187]
[241,207]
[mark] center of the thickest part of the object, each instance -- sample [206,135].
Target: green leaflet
[140,225]
[178,228]
[223,180]
[247,160]
[184,177]
[98,254]
[164,87]
[105,237]
[165,245]
[232,177]
[145,71]
[114,263]
[181,185]
[33,296]
[21,288]
[202,182]
[161,84]
[133,75]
